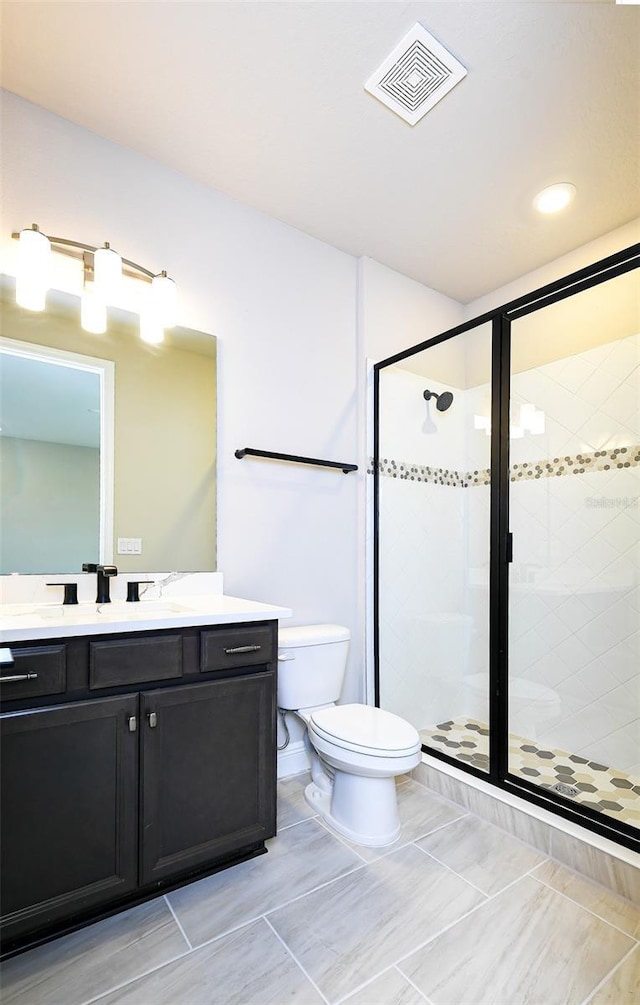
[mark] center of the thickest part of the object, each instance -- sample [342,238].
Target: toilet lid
[367,729]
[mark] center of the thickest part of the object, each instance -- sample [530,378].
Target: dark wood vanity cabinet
[109,794]
[69,777]
[207,774]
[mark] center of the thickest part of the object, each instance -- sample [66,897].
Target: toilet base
[363,810]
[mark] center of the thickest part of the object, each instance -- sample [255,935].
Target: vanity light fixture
[103,269]
[107,273]
[555,197]
[93,310]
[164,300]
[32,280]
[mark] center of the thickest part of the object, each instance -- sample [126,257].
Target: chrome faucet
[105,572]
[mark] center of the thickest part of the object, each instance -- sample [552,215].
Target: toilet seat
[364,729]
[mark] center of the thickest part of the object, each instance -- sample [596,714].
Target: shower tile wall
[575,602]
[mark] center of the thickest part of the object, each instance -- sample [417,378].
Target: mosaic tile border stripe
[600,460]
[613,792]
[578,464]
[424,473]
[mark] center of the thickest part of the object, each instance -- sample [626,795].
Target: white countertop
[26,622]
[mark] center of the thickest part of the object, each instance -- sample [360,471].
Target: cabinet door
[208,772]
[69,810]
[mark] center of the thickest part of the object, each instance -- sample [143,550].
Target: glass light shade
[93,311]
[151,329]
[555,197]
[164,300]
[107,273]
[32,278]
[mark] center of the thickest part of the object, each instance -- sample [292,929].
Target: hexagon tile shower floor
[596,785]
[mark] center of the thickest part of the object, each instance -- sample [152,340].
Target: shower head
[443,401]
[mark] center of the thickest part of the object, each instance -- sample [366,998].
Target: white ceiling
[266,102]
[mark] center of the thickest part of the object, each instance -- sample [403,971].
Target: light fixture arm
[76,249]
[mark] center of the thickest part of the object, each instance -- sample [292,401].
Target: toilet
[355,751]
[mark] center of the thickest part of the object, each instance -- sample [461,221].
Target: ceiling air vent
[415,75]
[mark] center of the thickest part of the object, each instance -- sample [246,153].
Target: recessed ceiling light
[555,197]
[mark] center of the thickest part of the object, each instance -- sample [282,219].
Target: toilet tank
[312,660]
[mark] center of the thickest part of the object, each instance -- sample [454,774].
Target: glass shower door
[434,438]
[574,614]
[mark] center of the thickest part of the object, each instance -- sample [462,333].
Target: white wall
[397,312]
[283,307]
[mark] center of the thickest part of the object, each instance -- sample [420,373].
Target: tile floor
[608,790]
[456,912]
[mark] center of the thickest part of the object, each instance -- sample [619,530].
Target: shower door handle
[509,548]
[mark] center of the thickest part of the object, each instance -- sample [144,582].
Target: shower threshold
[613,792]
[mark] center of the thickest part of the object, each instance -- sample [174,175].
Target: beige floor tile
[526,946]
[292,806]
[420,813]
[389,989]
[481,853]
[299,859]
[362,923]
[623,987]
[248,967]
[78,967]
[605,903]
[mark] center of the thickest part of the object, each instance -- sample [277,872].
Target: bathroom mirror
[163,433]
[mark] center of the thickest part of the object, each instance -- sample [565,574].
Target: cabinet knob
[132,723]
[153,719]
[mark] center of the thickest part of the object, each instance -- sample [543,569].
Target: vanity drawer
[134,661]
[227,648]
[48,664]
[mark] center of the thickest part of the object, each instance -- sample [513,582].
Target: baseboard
[292,760]
[598,858]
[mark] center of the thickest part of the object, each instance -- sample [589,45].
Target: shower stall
[507,545]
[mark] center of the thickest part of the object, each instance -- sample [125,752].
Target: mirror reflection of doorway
[51,419]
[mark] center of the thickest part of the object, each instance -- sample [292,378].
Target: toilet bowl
[355,751]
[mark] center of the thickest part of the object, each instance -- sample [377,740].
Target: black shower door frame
[500,538]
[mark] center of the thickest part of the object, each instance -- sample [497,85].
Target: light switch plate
[129,546]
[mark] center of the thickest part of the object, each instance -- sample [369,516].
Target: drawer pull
[153,719]
[242,649]
[11,678]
